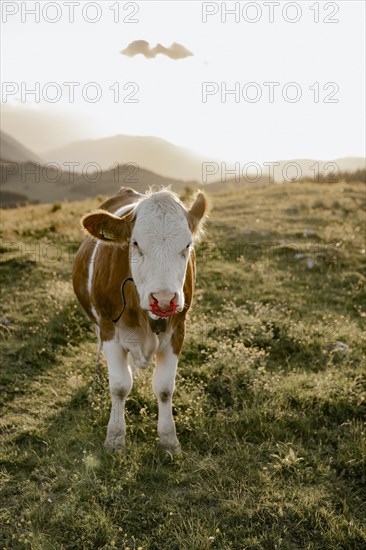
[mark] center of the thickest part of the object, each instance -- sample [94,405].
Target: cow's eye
[185,251]
[138,249]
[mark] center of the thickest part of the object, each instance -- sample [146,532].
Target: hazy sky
[169,104]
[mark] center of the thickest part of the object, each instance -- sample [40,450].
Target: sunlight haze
[169,93]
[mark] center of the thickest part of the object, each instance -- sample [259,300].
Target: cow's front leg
[120,384]
[163,386]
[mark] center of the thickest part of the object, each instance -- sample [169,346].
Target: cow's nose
[164,297]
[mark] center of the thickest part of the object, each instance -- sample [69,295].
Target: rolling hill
[289,170]
[310,168]
[151,153]
[33,183]
[12,150]
[161,157]
[25,179]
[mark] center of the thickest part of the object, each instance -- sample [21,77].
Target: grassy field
[270,403]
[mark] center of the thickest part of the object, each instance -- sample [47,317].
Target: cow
[134,276]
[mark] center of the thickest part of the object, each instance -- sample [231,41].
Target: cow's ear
[106,227]
[197,214]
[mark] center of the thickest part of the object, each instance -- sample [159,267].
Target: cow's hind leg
[163,386]
[120,384]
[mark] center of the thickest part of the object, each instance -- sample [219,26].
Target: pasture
[270,403]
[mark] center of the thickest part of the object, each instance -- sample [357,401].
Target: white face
[160,245]
[160,232]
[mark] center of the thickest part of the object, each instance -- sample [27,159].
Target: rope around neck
[123,299]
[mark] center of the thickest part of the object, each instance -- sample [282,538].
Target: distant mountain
[24,181]
[29,182]
[13,151]
[148,152]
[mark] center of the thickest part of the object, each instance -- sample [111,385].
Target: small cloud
[175,51]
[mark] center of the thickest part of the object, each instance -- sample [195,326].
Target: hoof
[114,444]
[170,446]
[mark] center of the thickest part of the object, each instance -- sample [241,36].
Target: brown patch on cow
[130,315]
[178,322]
[178,337]
[111,268]
[107,330]
[164,396]
[112,278]
[158,325]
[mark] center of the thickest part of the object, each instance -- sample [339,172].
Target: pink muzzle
[168,312]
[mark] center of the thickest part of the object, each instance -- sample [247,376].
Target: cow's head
[160,233]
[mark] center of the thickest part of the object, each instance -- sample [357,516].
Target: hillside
[24,183]
[270,403]
[34,183]
[151,153]
[13,151]
[298,170]
[313,168]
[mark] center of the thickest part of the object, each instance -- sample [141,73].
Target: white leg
[163,386]
[120,384]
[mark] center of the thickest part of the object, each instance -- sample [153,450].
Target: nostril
[164,298]
[164,303]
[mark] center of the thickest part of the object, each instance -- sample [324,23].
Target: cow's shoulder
[111,268]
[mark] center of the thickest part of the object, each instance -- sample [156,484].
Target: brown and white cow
[134,275]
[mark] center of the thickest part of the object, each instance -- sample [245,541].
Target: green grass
[270,410]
